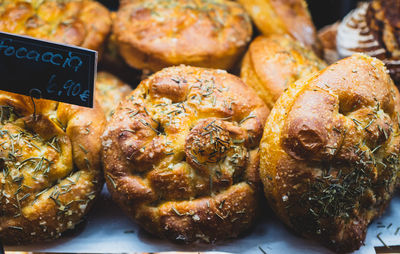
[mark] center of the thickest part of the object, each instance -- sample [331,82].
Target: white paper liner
[108,230]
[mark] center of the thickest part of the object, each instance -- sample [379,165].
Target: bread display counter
[217,126]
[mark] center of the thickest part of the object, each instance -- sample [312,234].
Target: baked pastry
[283,17]
[50,166]
[112,62]
[109,92]
[373,29]
[272,63]
[327,37]
[83,23]
[180,154]
[329,154]
[153,34]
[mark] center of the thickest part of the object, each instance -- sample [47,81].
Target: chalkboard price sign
[47,70]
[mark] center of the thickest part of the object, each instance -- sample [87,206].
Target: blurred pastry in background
[374,29]
[83,23]
[112,61]
[327,37]
[180,154]
[329,156]
[153,34]
[272,63]
[109,92]
[284,17]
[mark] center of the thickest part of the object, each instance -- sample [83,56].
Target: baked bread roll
[112,62]
[180,154]
[329,154]
[272,63]
[83,23]
[373,29]
[283,17]
[50,160]
[153,34]
[109,92]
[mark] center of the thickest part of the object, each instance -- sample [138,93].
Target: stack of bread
[192,152]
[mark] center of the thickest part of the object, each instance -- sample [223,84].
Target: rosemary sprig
[112,181]
[261,249]
[83,149]
[380,239]
[176,211]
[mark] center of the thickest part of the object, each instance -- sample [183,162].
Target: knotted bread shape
[50,166]
[181,154]
[329,154]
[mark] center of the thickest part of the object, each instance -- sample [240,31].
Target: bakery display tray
[108,230]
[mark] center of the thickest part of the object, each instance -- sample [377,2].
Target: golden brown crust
[82,23]
[181,154]
[159,33]
[272,63]
[109,92]
[329,154]
[51,166]
[113,62]
[283,17]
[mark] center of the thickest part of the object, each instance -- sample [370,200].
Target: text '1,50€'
[47,70]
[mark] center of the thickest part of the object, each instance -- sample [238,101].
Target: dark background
[324,12]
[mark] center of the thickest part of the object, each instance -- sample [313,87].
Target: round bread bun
[109,92]
[180,154]
[283,17]
[153,34]
[50,160]
[329,153]
[272,63]
[83,23]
